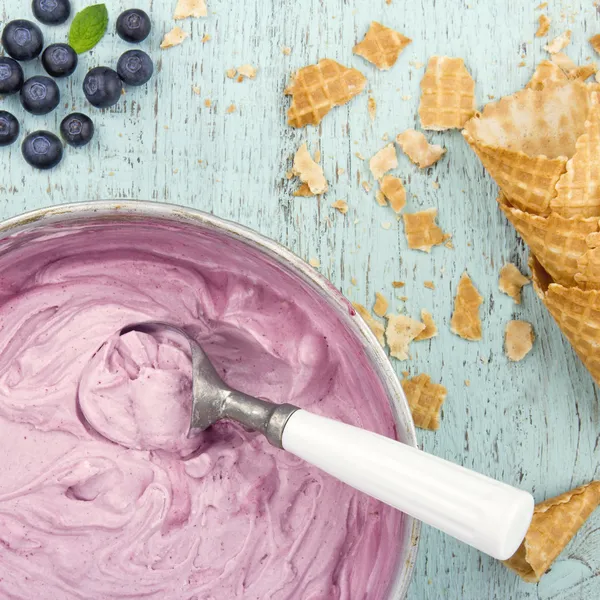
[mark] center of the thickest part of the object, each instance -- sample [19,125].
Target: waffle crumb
[415,146]
[231,73]
[543,27]
[466,321]
[383,161]
[559,43]
[518,340]
[315,262]
[511,281]
[174,38]
[595,42]
[381,46]
[422,232]
[381,305]
[309,171]
[400,332]
[430,330]
[372,108]
[231,109]
[341,206]
[425,400]
[398,284]
[429,284]
[247,71]
[190,8]
[392,188]
[286,50]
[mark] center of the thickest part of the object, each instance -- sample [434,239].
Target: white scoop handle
[482,512]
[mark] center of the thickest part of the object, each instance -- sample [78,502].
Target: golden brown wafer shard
[309,171]
[559,43]
[447,94]
[303,191]
[381,305]
[543,27]
[425,400]
[595,42]
[415,145]
[392,188]
[557,242]
[525,140]
[578,189]
[466,321]
[316,89]
[374,325]
[381,46]
[422,232]
[383,161]
[340,206]
[555,522]
[518,340]
[511,281]
[190,8]
[430,330]
[400,332]
[174,38]
[546,73]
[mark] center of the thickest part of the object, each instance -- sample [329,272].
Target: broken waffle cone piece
[425,400]
[544,26]
[447,94]
[309,171]
[316,89]
[190,8]
[518,340]
[546,73]
[579,187]
[525,140]
[381,46]
[466,321]
[555,522]
[422,232]
[383,161]
[430,330]
[374,325]
[558,243]
[415,145]
[174,38]
[400,332]
[392,188]
[511,281]
[381,305]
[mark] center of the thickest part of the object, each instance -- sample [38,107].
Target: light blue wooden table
[534,423]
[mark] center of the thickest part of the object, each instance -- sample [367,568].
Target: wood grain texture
[534,423]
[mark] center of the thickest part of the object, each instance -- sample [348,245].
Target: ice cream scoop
[482,512]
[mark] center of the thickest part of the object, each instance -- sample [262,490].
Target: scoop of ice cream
[137,391]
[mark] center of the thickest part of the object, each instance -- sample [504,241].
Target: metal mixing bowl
[119,211]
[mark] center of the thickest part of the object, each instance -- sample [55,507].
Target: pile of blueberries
[102,86]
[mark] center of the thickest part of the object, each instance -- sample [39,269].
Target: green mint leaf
[88,28]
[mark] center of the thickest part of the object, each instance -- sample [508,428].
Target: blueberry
[40,95]
[9,128]
[133,25]
[51,12]
[59,60]
[22,39]
[11,76]
[102,87]
[77,129]
[135,67]
[42,149]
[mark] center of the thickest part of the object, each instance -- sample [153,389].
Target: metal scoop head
[213,399]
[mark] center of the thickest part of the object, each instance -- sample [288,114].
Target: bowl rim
[130,209]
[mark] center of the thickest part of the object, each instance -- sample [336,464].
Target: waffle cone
[576,312]
[555,522]
[557,242]
[579,187]
[526,139]
[316,89]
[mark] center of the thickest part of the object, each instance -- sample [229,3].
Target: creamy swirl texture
[82,517]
